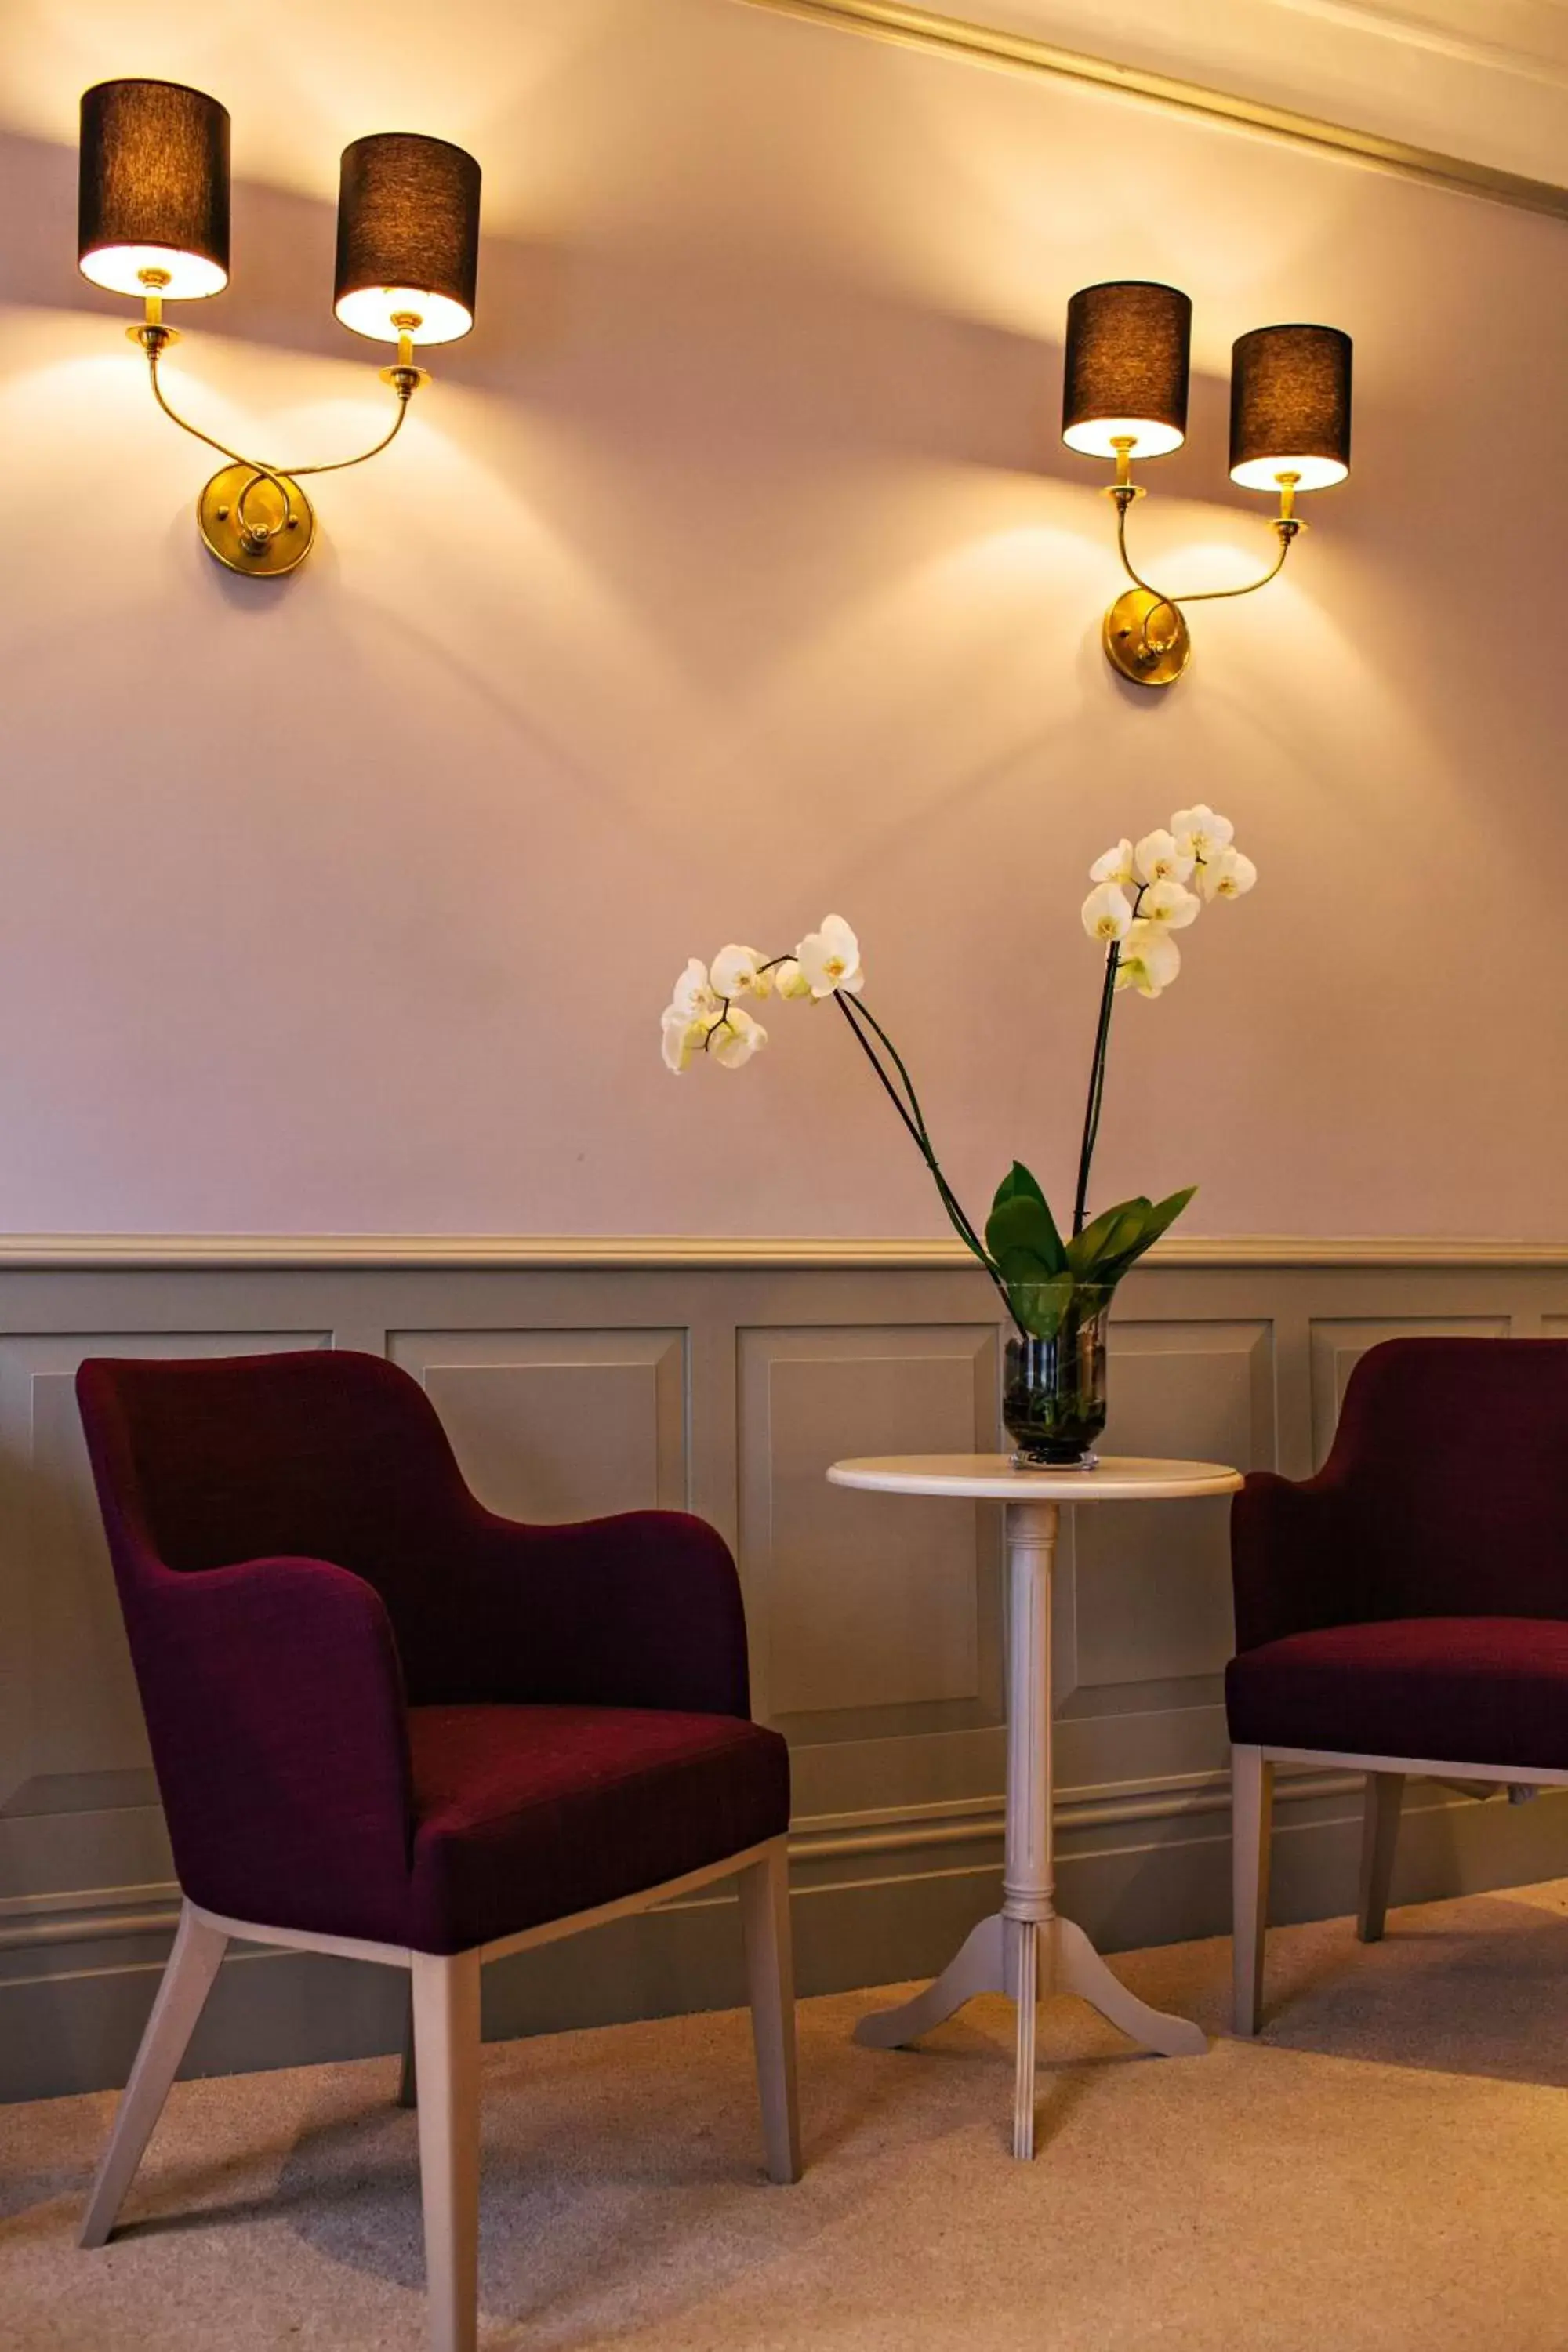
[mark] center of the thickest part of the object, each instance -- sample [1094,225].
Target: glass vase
[1054,1391]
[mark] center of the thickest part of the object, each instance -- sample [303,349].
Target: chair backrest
[275,1694]
[326,1454]
[1451,1456]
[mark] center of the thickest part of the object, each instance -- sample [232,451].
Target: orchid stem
[913,1119]
[1097,1074]
[891,1091]
[960,1222]
[1096,1088]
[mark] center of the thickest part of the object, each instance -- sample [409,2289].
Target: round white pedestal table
[1026,1949]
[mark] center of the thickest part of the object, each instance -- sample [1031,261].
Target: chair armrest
[275,1707]
[1293,1559]
[639,1610]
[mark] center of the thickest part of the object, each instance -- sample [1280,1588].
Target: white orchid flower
[1108,913]
[1150,959]
[789,980]
[693,993]
[1170,905]
[1199,833]
[1228,875]
[1116,865]
[682,1036]
[734,1041]
[830,959]
[738,972]
[1159,857]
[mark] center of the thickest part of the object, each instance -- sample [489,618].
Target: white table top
[990,1477]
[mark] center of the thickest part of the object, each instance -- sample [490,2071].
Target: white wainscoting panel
[868,1603]
[1154,1579]
[551,1425]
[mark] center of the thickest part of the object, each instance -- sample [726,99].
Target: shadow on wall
[677,421]
[729,380]
[705,346]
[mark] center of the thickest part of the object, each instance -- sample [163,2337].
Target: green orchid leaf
[1018,1184]
[1023,1221]
[1114,1231]
[1040,1306]
[1163,1214]
[1026,1265]
[1157,1219]
[1126,1240]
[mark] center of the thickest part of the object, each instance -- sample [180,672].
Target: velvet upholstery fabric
[1412,1599]
[529,1813]
[1448,1690]
[304,1573]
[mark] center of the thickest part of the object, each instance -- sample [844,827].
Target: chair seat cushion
[524,1814]
[1450,1690]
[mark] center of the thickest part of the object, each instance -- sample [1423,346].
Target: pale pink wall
[733,571]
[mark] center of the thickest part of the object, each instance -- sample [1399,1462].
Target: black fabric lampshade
[408,238]
[1291,408]
[1126,358]
[154,188]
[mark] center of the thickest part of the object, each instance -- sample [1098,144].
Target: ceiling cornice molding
[1409,31]
[987,45]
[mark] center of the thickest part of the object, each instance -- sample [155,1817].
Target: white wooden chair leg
[409,2072]
[447,2051]
[1252,1810]
[770,1970]
[187,1979]
[1379,1836]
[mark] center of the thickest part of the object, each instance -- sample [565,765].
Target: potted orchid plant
[1055,1286]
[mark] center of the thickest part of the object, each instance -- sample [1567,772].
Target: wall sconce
[153,221]
[1125,395]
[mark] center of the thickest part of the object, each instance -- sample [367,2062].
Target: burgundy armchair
[1405,1612]
[387,1722]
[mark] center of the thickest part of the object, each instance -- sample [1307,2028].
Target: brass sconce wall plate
[260,524]
[1148,652]
[153,223]
[1124,394]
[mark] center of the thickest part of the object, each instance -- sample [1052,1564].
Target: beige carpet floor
[1386,2167]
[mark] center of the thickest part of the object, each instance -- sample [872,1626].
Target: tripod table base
[1003,1955]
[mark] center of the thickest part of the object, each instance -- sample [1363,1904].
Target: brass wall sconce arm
[1125,393]
[1152,650]
[154,222]
[254,517]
